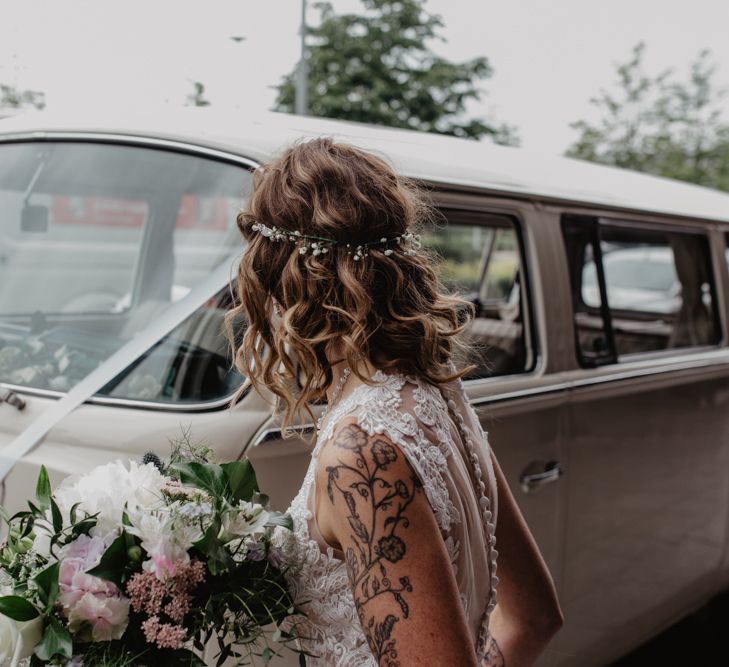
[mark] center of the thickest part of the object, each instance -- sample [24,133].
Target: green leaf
[241,480]
[29,522]
[206,476]
[279,519]
[19,515]
[47,581]
[216,555]
[43,489]
[35,511]
[83,527]
[17,608]
[72,512]
[56,516]
[113,562]
[56,642]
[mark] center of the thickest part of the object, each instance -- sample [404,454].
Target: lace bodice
[442,438]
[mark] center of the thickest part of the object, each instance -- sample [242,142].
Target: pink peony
[106,616]
[92,605]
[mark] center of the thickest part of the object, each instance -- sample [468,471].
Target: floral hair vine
[320,245]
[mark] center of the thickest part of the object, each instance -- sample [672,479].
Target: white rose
[18,639]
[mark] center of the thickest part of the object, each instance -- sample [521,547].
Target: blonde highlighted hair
[388,309]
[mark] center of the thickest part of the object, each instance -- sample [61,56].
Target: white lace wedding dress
[443,440]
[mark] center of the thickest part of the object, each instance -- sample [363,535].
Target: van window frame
[596,222]
[478,216]
[171,146]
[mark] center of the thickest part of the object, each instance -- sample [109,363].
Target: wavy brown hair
[389,309]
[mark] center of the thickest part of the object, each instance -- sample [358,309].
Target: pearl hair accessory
[320,245]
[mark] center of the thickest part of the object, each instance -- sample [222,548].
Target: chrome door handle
[538,474]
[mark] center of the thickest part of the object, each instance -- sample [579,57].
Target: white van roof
[432,157]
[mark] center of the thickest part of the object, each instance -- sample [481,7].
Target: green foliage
[56,641]
[43,489]
[377,68]
[207,476]
[47,584]
[241,481]
[660,124]
[17,608]
[115,561]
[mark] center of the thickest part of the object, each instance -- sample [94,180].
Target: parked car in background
[637,278]
[600,341]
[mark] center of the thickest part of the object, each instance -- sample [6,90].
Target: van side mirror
[34,218]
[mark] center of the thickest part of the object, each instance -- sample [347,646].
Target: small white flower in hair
[320,245]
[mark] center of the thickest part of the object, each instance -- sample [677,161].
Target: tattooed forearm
[376,511]
[493,656]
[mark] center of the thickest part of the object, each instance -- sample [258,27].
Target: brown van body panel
[635,533]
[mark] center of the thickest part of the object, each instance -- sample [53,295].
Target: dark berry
[151,457]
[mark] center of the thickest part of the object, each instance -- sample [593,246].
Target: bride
[396,519]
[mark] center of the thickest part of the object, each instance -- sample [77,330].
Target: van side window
[482,261]
[638,290]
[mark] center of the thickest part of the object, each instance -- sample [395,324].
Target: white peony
[18,639]
[245,519]
[107,489]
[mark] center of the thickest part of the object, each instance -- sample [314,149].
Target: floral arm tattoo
[375,510]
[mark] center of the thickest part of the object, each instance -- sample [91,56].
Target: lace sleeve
[427,456]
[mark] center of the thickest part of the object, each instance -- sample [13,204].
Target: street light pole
[302,70]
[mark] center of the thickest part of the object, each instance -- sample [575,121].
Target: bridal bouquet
[146,564]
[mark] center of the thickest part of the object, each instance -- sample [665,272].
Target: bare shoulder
[351,445]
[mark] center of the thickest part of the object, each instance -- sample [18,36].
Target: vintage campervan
[602,298]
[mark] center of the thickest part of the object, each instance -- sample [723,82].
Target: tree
[197,97]
[377,68]
[11,97]
[661,124]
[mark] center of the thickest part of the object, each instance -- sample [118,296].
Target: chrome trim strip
[129,140]
[203,406]
[579,383]
[521,393]
[642,372]
[273,433]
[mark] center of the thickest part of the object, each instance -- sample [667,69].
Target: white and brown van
[602,300]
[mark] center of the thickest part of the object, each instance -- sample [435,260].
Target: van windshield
[97,239]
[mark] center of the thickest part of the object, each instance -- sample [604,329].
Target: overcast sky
[549,57]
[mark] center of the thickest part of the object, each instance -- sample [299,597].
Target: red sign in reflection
[194,212]
[98,211]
